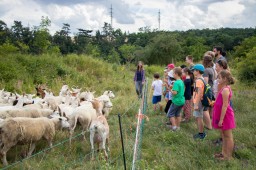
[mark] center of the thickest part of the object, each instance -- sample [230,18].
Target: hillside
[161,148]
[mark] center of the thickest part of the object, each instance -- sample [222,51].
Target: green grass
[160,148]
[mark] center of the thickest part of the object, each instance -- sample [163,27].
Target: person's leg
[137,88]
[228,144]
[178,116]
[200,124]
[140,89]
[207,119]
[167,107]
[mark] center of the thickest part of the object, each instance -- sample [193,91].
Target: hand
[220,124]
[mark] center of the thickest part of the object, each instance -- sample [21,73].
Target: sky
[130,15]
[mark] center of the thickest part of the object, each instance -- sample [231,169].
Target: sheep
[84,115]
[25,112]
[21,130]
[109,93]
[99,134]
[105,105]
[88,96]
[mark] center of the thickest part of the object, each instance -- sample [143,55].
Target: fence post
[122,140]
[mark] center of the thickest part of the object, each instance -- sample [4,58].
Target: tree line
[115,46]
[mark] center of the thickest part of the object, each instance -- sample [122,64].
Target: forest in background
[153,47]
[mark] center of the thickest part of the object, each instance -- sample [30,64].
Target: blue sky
[130,15]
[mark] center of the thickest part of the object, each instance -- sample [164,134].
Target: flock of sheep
[24,120]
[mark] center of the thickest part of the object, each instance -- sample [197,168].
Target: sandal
[218,155]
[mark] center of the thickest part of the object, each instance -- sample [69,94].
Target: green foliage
[8,48]
[163,49]
[247,67]
[246,46]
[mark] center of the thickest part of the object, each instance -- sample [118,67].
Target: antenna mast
[111,15]
[159,19]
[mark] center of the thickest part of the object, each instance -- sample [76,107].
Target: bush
[247,67]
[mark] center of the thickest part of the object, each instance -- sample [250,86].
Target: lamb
[22,130]
[105,105]
[99,134]
[84,114]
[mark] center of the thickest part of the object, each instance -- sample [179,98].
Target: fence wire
[63,154]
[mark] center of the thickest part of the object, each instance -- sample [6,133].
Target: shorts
[174,111]
[156,99]
[200,111]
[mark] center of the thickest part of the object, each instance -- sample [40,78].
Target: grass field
[160,149]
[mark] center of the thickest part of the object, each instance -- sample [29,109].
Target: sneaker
[168,123]
[199,136]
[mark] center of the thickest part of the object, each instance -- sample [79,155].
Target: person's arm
[135,77]
[199,91]
[225,94]
[206,76]
[175,88]
[143,76]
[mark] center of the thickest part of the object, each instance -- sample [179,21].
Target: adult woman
[139,79]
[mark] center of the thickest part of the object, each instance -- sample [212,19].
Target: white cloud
[129,15]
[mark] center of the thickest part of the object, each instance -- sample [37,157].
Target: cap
[171,66]
[199,67]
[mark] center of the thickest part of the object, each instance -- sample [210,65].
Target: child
[157,94]
[187,107]
[223,115]
[198,71]
[168,96]
[178,100]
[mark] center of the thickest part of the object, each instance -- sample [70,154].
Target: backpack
[208,99]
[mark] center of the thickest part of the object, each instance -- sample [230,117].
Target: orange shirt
[198,91]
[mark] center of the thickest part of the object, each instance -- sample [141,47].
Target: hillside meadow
[160,149]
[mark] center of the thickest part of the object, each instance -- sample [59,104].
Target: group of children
[183,89]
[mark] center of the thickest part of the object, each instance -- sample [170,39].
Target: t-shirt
[209,72]
[158,87]
[199,84]
[179,98]
[187,93]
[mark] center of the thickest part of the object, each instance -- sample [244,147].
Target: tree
[127,52]
[163,49]
[41,41]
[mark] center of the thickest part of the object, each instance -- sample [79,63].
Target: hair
[187,70]
[224,53]
[140,68]
[183,66]
[177,71]
[190,57]
[207,61]
[156,76]
[227,75]
[218,48]
[223,64]
[211,53]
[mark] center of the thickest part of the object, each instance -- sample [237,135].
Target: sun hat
[171,66]
[198,67]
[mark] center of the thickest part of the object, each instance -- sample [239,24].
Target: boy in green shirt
[178,100]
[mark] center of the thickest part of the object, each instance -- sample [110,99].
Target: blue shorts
[200,111]
[156,99]
[174,111]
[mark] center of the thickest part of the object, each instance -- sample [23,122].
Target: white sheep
[22,130]
[99,134]
[84,115]
[25,112]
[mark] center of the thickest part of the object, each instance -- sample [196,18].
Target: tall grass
[161,148]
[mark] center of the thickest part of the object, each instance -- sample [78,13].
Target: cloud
[129,15]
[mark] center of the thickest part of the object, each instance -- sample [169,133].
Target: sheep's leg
[92,144]
[70,136]
[4,160]
[103,146]
[31,149]
[107,143]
